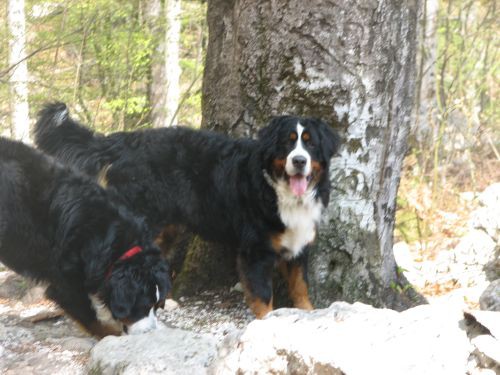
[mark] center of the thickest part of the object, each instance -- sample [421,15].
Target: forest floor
[437,244]
[36,339]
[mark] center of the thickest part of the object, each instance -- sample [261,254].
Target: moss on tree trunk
[206,266]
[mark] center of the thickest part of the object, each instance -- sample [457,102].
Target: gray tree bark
[18,79]
[351,63]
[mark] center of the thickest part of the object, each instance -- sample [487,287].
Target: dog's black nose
[299,161]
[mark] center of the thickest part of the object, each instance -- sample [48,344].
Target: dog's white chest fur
[300,216]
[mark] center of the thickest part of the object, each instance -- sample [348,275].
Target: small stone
[487,219]
[475,248]
[490,197]
[170,305]
[467,196]
[34,295]
[237,288]
[41,312]
[490,298]
[492,268]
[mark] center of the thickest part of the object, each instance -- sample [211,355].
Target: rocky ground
[35,338]
[457,270]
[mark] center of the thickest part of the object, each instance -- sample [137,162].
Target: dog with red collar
[61,228]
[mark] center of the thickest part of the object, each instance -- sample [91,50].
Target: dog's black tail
[57,134]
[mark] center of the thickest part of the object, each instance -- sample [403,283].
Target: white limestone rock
[349,339]
[162,351]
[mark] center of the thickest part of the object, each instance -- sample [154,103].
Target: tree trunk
[424,122]
[351,63]
[165,70]
[18,80]
[172,68]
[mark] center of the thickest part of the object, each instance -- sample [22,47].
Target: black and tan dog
[263,197]
[61,228]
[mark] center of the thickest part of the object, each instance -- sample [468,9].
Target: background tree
[172,68]
[353,65]
[457,137]
[164,25]
[18,75]
[425,113]
[153,11]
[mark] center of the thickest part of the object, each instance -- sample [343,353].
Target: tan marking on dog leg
[297,288]
[257,305]
[260,308]
[100,330]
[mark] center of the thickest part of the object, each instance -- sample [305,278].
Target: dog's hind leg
[256,278]
[77,304]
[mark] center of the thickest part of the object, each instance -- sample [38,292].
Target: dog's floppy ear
[162,278]
[330,140]
[269,132]
[122,294]
[268,138]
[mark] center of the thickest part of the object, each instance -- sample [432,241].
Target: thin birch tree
[164,90]
[18,78]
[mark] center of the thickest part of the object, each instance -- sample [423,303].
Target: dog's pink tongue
[298,184]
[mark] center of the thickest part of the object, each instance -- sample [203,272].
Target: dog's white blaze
[300,215]
[299,150]
[157,294]
[144,325]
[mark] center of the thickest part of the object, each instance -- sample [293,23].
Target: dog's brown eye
[306,138]
[293,136]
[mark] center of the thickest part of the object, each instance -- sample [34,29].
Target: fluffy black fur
[218,187]
[60,227]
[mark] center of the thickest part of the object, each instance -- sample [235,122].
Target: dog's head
[135,287]
[297,151]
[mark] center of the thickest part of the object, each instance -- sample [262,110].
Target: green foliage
[96,56]
[465,135]
[400,288]
[406,222]
[468,66]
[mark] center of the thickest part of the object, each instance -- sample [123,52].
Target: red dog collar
[128,254]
